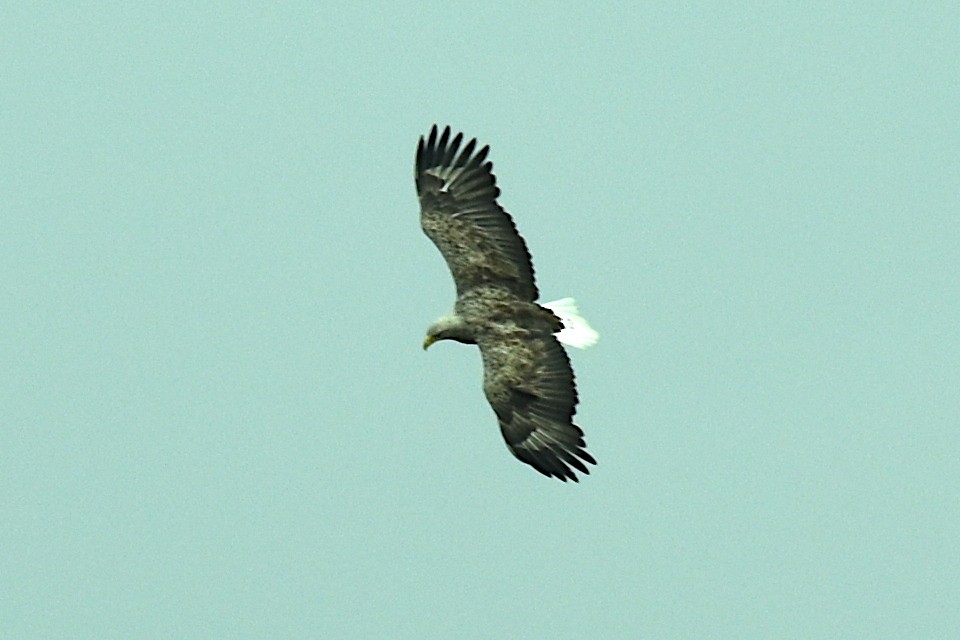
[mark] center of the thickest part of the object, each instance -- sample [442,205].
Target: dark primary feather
[460,214]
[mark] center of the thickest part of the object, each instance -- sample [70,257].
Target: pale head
[449,327]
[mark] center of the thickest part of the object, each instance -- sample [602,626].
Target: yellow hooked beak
[429,340]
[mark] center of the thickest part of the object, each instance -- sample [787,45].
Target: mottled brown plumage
[527,375]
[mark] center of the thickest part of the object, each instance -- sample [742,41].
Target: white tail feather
[576,331]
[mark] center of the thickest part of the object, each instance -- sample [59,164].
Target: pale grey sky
[216,419]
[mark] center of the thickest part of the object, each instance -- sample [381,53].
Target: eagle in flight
[527,376]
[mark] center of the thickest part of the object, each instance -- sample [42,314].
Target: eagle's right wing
[530,385]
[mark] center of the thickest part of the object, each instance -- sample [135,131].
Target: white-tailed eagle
[526,372]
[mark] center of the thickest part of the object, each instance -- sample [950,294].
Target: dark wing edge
[460,214]
[537,421]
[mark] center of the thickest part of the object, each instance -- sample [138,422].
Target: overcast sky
[216,419]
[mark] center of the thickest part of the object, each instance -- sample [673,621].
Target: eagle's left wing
[459,212]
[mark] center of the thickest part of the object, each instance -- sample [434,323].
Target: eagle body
[527,377]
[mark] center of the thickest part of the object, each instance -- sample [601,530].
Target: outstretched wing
[459,212]
[530,385]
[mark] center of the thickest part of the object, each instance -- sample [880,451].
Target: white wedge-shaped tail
[576,331]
